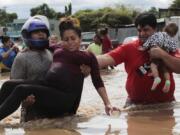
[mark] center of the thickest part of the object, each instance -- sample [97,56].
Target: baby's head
[171,29]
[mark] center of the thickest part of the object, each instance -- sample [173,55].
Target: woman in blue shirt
[8,52]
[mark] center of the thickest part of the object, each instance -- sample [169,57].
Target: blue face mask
[37,44]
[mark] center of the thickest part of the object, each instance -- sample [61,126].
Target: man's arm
[173,63]
[105,60]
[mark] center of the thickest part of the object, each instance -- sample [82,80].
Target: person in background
[106,42]
[1,41]
[96,46]
[19,42]
[53,40]
[8,52]
[54,43]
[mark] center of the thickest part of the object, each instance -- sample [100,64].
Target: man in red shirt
[136,63]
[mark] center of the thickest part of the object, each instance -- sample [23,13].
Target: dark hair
[98,37]
[68,23]
[103,31]
[146,18]
[171,29]
[5,39]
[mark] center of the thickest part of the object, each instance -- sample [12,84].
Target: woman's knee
[21,90]
[6,85]
[10,84]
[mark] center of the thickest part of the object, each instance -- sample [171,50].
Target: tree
[6,17]
[154,11]
[44,10]
[175,4]
[60,15]
[115,19]
[68,9]
[91,19]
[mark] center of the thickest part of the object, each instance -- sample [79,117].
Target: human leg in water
[155,73]
[8,86]
[45,97]
[167,80]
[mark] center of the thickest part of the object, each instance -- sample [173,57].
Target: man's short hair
[146,18]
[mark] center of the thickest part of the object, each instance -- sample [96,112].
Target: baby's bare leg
[155,73]
[167,78]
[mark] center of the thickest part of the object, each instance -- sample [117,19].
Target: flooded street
[161,119]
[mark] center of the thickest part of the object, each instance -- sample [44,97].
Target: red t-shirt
[139,86]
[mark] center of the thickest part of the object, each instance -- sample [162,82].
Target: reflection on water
[161,119]
[21,131]
[104,125]
[157,122]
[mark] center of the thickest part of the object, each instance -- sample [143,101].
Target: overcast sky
[22,7]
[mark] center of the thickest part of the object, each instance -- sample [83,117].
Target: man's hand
[156,53]
[85,70]
[30,100]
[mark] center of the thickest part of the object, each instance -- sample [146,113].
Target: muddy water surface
[161,119]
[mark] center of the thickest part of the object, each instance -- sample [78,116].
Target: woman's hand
[85,70]
[109,109]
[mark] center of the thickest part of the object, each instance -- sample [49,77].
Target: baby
[165,41]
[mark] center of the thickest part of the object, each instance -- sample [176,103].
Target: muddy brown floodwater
[160,119]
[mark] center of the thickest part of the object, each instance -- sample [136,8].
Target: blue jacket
[8,61]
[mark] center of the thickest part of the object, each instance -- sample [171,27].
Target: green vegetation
[6,17]
[175,4]
[44,9]
[91,19]
[113,17]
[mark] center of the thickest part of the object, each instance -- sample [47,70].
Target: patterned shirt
[161,39]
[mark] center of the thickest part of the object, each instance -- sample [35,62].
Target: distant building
[168,12]
[124,31]
[14,28]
